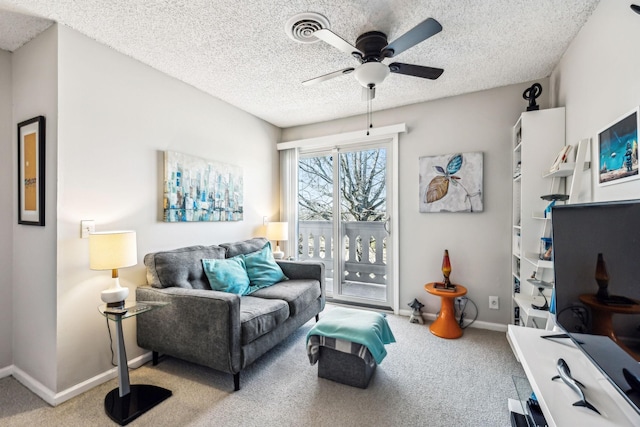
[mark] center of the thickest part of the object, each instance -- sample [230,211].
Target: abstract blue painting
[200,190]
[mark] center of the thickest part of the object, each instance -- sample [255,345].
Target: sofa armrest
[201,326]
[305,270]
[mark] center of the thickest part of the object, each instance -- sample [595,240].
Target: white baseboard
[5,372]
[499,327]
[55,399]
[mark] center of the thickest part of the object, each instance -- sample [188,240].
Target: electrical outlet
[87,227]
[494,303]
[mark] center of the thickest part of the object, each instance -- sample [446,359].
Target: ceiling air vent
[302,26]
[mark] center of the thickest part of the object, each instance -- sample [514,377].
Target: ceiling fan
[372,48]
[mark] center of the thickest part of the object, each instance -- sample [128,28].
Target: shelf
[539,358]
[525,301]
[539,263]
[539,215]
[517,227]
[566,169]
[538,283]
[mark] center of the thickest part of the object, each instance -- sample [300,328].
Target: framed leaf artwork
[451,183]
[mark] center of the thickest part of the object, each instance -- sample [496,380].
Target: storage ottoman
[341,342]
[345,368]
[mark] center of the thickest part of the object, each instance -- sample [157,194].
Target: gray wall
[6,213]
[478,243]
[598,82]
[116,117]
[35,93]
[109,119]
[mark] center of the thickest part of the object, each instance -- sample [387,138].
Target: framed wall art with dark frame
[31,169]
[618,150]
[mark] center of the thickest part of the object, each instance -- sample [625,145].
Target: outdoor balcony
[364,248]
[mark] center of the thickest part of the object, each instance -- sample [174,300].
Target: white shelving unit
[537,138]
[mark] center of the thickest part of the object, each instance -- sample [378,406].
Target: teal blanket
[363,327]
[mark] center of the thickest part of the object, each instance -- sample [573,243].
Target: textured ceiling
[238,50]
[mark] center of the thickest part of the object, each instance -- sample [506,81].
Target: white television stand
[539,357]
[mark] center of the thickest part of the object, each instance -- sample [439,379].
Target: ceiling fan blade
[366,91]
[417,34]
[327,77]
[416,70]
[336,41]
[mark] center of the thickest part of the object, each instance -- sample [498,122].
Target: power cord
[460,311]
[110,342]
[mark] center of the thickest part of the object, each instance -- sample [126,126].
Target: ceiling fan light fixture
[371,73]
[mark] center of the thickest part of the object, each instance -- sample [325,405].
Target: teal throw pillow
[227,275]
[262,269]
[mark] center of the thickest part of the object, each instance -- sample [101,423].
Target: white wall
[6,216]
[116,117]
[478,243]
[34,71]
[598,81]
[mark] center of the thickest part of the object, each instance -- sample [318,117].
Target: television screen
[596,251]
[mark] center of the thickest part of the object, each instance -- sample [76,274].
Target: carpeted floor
[424,381]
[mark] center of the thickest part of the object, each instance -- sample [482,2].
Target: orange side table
[446,326]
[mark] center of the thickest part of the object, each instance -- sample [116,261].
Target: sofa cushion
[244,247]
[260,316]
[299,294]
[227,275]
[180,267]
[262,269]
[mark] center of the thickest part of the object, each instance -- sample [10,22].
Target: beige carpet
[424,381]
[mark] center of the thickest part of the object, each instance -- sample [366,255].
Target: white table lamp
[278,231]
[112,250]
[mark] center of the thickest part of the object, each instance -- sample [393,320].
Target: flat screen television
[596,254]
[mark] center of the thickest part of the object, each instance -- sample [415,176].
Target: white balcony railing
[363,245]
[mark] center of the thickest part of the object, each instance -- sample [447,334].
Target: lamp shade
[278,231]
[112,250]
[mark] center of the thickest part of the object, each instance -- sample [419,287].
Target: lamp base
[115,295]
[117,304]
[278,254]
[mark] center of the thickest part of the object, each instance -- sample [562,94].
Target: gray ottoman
[345,368]
[348,345]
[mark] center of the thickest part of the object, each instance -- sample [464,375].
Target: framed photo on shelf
[617,146]
[31,169]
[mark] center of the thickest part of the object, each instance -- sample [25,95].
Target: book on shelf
[560,158]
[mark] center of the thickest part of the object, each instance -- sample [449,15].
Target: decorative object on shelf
[451,183]
[635,8]
[531,94]
[575,385]
[555,197]
[618,150]
[562,156]
[200,190]
[278,231]
[112,250]
[416,315]
[545,306]
[31,171]
[518,171]
[602,278]
[446,268]
[546,248]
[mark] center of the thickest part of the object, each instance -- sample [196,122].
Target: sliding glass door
[344,200]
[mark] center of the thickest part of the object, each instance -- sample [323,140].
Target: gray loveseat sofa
[221,330]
